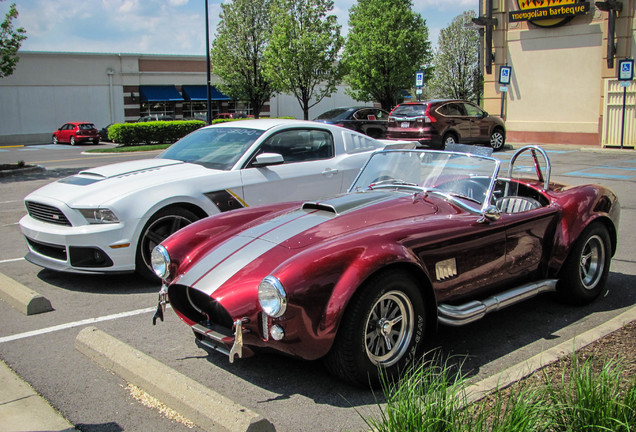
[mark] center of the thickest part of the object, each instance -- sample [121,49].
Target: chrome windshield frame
[477,210]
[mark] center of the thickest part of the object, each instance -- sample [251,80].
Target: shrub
[158,132]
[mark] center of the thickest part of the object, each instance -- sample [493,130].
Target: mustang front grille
[57,252]
[46,213]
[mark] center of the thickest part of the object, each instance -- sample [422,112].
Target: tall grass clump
[587,398]
[428,397]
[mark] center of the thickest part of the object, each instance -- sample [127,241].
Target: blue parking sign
[419,79]
[626,70]
[504,74]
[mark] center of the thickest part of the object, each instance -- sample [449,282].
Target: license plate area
[405,125]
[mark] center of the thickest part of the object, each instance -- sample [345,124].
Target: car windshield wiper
[391,183]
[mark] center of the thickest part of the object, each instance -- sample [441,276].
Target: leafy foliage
[387,43]
[238,51]
[10,42]
[152,132]
[457,74]
[303,55]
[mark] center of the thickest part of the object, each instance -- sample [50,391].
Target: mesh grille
[46,213]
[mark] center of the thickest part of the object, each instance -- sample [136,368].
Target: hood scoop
[349,202]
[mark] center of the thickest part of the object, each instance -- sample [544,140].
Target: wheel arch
[331,321]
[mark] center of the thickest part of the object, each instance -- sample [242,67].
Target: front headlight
[99,216]
[160,260]
[272,297]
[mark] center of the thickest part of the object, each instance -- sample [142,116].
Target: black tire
[72,141]
[497,139]
[383,327]
[449,138]
[585,271]
[161,225]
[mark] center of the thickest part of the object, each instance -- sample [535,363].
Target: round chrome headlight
[160,261]
[272,297]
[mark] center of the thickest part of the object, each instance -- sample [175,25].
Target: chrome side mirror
[491,214]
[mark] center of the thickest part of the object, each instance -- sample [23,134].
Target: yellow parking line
[11,146]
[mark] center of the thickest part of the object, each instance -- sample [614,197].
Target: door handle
[329,172]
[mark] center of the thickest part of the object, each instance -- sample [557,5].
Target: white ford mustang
[108,219]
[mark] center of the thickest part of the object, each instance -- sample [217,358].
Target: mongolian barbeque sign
[548,13]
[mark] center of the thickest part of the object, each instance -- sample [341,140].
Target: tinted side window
[451,109]
[472,110]
[299,145]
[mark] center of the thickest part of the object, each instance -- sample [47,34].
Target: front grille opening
[49,250]
[191,303]
[46,213]
[89,257]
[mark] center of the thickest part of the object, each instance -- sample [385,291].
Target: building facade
[564,85]
[48,89]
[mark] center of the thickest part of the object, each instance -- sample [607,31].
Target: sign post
[505,72]
[625,76]
[419,83]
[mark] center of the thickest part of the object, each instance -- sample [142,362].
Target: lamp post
[207,59]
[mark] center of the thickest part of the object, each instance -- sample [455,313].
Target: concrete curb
[22,409]
[22,298]
[521,370]
[194,401]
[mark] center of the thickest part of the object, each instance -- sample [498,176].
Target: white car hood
[103,185]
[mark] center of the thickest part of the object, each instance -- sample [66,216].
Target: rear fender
[584,205]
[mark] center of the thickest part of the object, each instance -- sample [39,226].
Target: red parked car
[76,132]
[440,122]
[423,238]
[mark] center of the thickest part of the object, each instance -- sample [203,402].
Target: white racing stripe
[75,324]
[225,261]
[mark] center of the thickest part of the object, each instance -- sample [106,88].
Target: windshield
[409,110]
[216,147]
[462,176]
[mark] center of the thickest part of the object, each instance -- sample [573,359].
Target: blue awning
[198,93]
[165,93]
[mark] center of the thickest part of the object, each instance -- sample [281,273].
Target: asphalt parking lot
[291,394]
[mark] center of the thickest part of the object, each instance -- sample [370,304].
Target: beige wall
[559,74]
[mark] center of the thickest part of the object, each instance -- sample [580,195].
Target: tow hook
[161,307]
[237,347]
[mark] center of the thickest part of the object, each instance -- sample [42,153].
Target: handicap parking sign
[626,70]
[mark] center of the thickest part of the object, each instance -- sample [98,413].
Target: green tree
[10,42]
[387,43]
[303,55]
[237,52]
[457,73]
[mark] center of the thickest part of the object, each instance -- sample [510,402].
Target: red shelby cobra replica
[423,237]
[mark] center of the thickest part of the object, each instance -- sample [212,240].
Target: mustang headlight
[160,260]
[272,297]
[99,216]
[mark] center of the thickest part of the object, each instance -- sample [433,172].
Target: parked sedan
[440,122]
[76,132]
[367,120]
[423,238]
[108,219]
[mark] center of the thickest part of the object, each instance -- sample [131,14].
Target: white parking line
[75,324]
[11,260]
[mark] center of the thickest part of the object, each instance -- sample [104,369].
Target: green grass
[589,396]
[127,149]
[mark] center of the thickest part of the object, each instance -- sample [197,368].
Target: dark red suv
[440,122]
[76,132]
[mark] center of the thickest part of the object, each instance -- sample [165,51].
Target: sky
[160,26]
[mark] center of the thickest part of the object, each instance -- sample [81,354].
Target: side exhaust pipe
[474,310]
